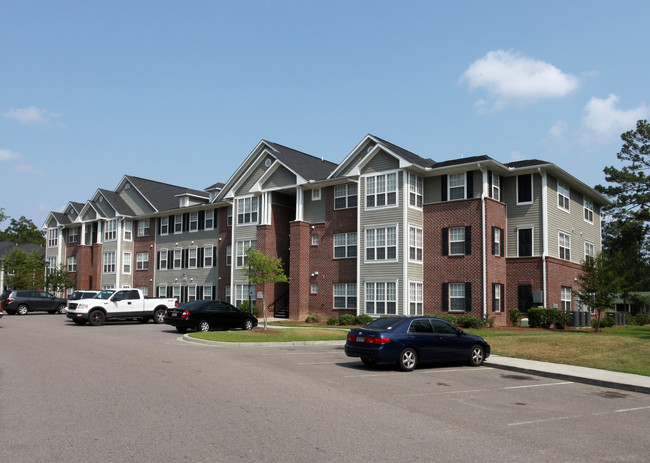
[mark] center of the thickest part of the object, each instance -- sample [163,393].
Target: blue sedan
[408,341]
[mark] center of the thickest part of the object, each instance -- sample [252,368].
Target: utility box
[524,323]
[538,297]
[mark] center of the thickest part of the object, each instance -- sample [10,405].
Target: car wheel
[158,316]
[367,361]
[204,325]
[22,309]
[181,329]
[61,308]
[79,322]
[408,359]
[96,318]
[248,325]
[476,356]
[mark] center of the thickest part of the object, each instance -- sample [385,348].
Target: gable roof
[307,166]
[405,154]
[7,246]
[117,203]
[162,196]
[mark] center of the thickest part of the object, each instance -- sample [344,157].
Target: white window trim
[110,230]
[191,289]
[563,299]
[176,221]
[588,205]
[109,265]
[162,290]
[164,252]
[565,194]
[189,257]
[127,259]
[139,261]
[207,293]
[195,222]
[464,187]
[375,300]
[559,246]
[593,249]
[350,291]
[180,252]
[418,300]
[164,222]
[316,194]
[450,297]
[313,288]
[142,227]
[386,192]
[365,247]
[346,245]
[347,195]
[209,216]
[532,240]
[208,253]
[449,243]
[257,211]
[417,190]
[72,264]
[252,244]
[127,231]
[415,245]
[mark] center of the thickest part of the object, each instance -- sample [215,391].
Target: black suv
[21,301]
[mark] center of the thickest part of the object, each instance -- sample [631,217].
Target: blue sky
[182,91]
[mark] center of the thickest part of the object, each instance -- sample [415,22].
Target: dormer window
[315,195]
[184,201]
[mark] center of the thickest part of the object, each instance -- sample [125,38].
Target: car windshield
[386,323]
[104,294]
[192,305]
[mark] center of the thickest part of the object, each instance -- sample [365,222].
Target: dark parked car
[208,315]
[21,301]
[408,341]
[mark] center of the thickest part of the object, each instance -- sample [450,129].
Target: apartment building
[383,232]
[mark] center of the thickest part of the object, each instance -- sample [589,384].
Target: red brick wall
[560,273]
[299,275]
[522,271]
[439,269]
[225,239]
[495,216]
[144,278]
[89,267]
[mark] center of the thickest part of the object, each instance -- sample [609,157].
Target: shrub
[312,319]
[453,319]
[641,319]
[488,321]
[362,319]
[332,321]
[346,319]
[244,308]
[514,315]
[542,317]
[606,322]
[469,321]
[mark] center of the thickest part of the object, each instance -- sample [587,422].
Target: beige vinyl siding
[524,216]
[135,201]
[571,223]
[379,163]
[315,211]
[282,177]
[356,159]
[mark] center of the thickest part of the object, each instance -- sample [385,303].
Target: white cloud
[31,115]
[516,155]
[29,169]
[8,155]
[602,121]
[558,129]
[512,78]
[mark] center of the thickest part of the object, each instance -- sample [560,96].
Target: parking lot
[132,392]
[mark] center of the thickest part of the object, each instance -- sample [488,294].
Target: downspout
[484,237]
[544,231]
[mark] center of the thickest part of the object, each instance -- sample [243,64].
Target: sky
[181,92]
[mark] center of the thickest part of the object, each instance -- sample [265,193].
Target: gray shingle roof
[117,203]
[405,154]
[305,165]
[162,196]
[61,218]
[7,246]
[460,161]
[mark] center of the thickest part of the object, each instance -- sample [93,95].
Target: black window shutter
[445,297]
[158,260]
[214,256]
[201,220]
[494,299]
[490,185]
[184,258]
[186,221]
[493,236]
[199,257]
[159,221]
[503,297]
[445,241]
[470,184]
[468,297]
[199,292]
[170,258]
[214,293]
[501,241]
[468,240]
[170,292]
[443,188]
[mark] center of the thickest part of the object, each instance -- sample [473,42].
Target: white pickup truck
[119,304]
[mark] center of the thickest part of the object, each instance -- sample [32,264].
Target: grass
[274,335]
[625,349]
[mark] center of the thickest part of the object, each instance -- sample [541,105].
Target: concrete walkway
[604,378]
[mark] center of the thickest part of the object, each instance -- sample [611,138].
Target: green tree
[23,230]
[59,279]
[24,271]
[630,189]
[598,284]
[262,270]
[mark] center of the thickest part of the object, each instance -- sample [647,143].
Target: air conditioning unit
[538,297]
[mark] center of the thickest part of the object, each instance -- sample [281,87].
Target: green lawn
[625,349]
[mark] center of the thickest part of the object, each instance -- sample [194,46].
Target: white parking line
[465,391]
[572,417]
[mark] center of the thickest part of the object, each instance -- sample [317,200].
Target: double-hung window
[381,298]
[381,190]
[456,241]
[240,249]
[209,220]
[72,264]
[178,223]
[194,221]
[143,227]
[345,196]
[178,258]
[52,237]
[589,211]
[192,257]
[162,290]
[162,259]
[590,249]
[208,252]
[497,243]
[415,298]
[345,245]
[345,295]
[381,244]
[457,186]
[415,243]
[457,297]
[164,226]
[73,235]
[191,293]
[497,297]
[128,230]
[247,209]
[142,261]
[229,255]
[563,195]
[565,298]
[207,293]
[229,216]
[110,231]
[564,242]
[109,262]
[126,264]
[415,190]
[495,192]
